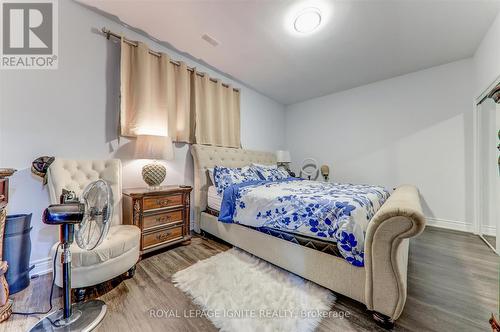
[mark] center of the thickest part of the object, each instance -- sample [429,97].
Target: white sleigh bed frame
[381,284]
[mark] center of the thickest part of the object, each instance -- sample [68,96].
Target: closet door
[496,202]
[489,124]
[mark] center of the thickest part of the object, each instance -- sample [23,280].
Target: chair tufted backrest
[206,157]
[75,175]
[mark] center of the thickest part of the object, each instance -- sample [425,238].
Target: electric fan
[86,221]
[309,169]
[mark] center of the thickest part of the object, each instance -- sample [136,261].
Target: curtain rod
[108,34]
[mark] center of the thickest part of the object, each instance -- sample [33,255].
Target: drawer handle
[162,202]
[162,236]
[163,219]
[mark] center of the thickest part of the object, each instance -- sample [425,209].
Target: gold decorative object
[325,171]
[137,212]
[5,303]
[154,174]
[6,172]
[6,310]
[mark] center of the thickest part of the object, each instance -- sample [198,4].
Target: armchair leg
[131,272]
[383,321]
[80,294]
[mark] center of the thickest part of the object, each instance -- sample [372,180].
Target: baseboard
[450,224]
[459,226]
[489,230]
[42,266]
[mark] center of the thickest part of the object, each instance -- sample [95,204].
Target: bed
[382,280]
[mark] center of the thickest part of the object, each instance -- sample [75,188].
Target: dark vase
[17,251]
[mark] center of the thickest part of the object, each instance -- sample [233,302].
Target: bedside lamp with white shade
[156,148]
[283,159]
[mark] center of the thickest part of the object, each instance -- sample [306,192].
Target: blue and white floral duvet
[329,211]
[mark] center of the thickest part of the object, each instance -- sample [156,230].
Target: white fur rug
[239,292]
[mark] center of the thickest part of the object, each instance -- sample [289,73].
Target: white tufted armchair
[119,252]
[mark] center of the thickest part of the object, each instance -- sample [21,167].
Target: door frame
[477,227]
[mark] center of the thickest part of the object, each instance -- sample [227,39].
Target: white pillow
[211,174]
[265,166]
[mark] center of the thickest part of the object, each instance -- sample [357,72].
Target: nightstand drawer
[162,219]
[161,236]
[158,202]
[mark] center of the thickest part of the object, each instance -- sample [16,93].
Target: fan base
[86,317]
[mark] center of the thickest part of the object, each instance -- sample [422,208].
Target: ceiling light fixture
[211,40]
[307,20]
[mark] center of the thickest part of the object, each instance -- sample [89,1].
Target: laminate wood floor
[452,286]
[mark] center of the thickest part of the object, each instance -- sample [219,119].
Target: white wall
[487,58]
[417,128]
[73,112]
[414,129]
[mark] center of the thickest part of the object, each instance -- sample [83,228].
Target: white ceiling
[359,42]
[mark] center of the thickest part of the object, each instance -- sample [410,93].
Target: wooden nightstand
[162,215]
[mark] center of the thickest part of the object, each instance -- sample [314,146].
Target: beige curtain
[155,95]
[185,123]
[159,97]
[217,113]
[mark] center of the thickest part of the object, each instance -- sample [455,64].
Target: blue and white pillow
[226,176]
[270,173]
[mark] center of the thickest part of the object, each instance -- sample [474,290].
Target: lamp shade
[283,156]
[154,147]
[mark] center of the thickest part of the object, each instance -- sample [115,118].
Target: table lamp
[156,148]
[325,171]
[283,159]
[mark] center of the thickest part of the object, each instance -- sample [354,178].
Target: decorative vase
[154,174]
